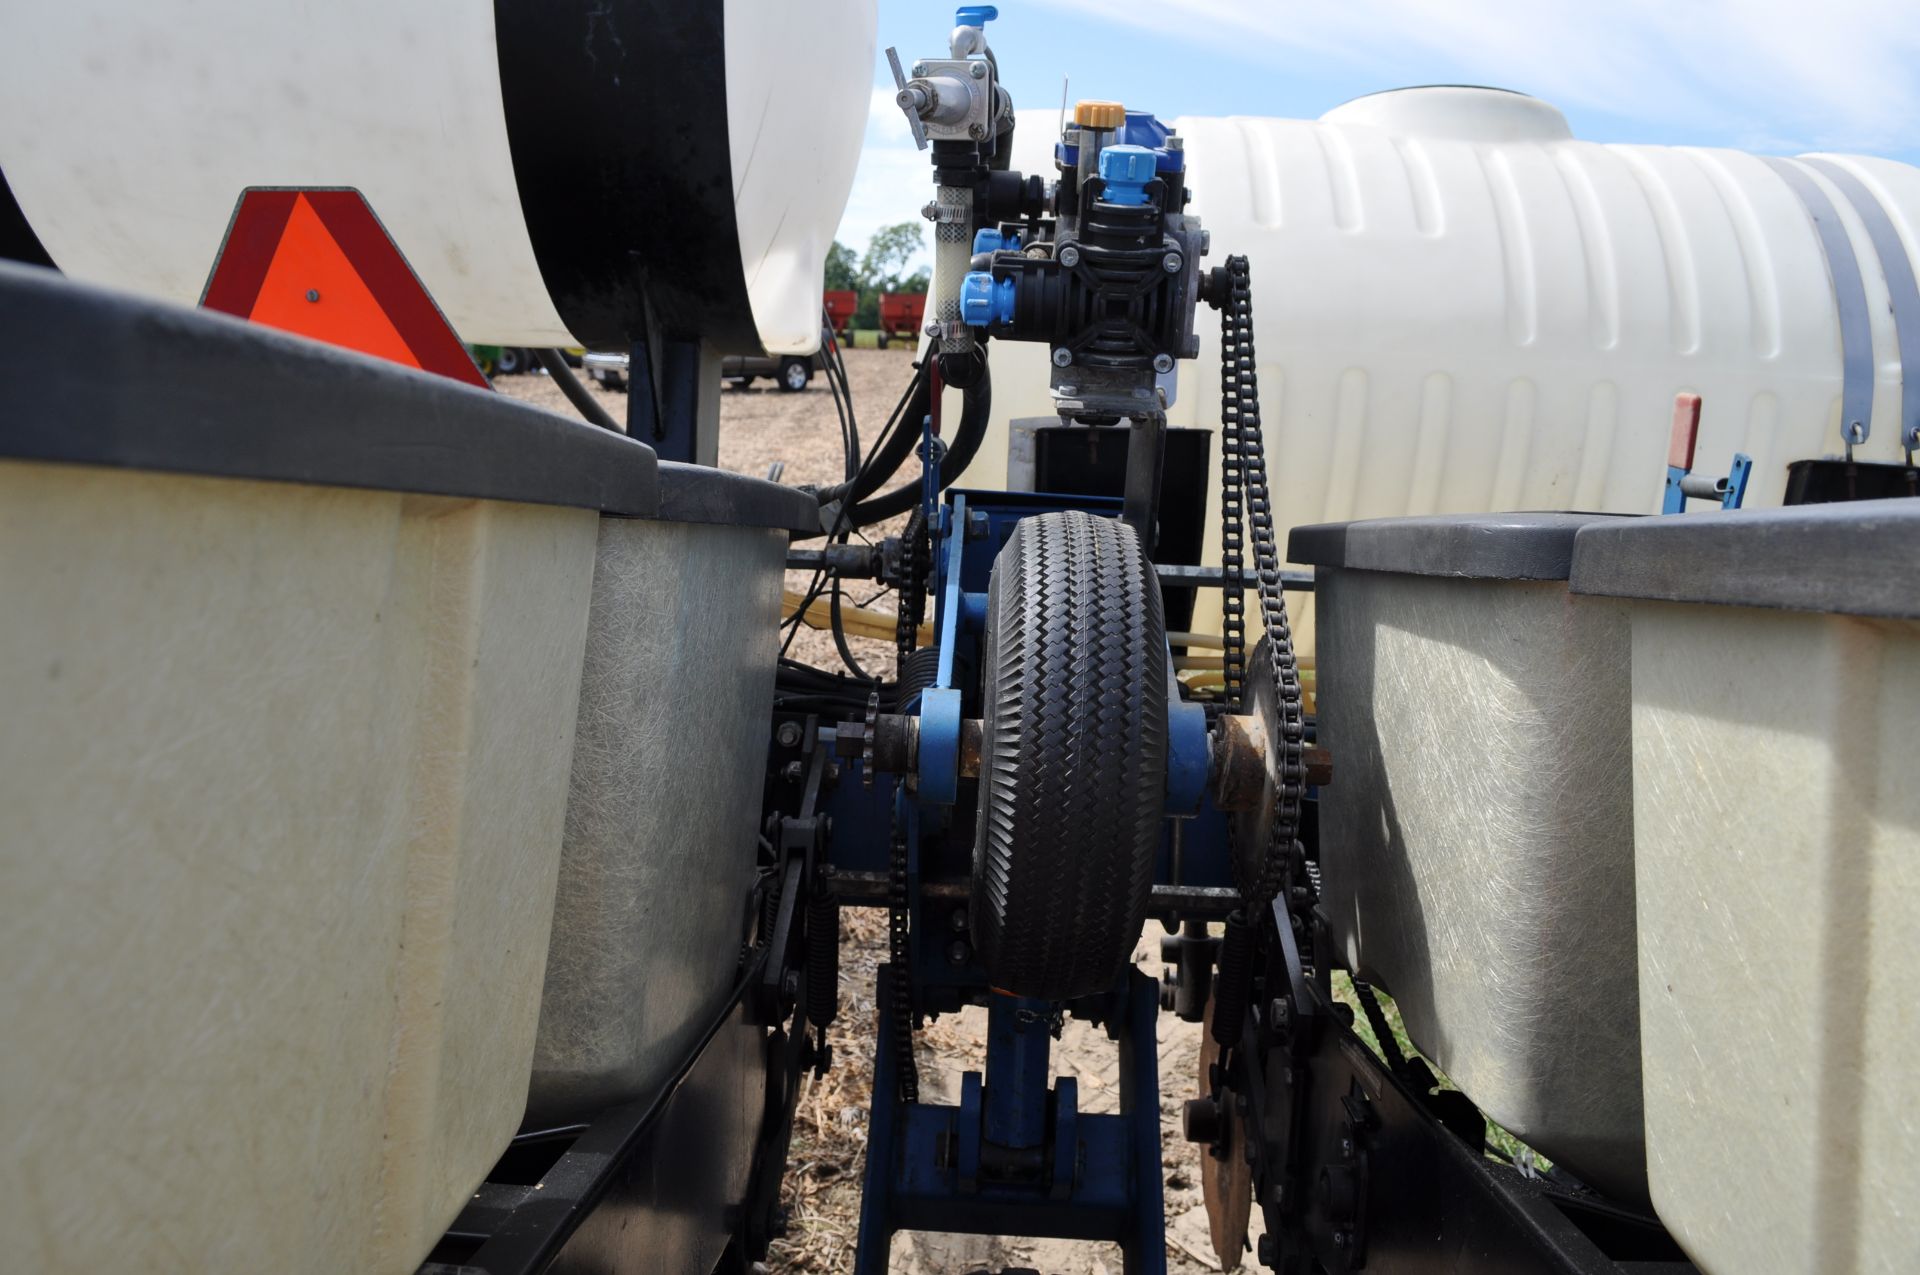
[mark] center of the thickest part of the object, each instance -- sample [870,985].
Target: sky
[1774,76]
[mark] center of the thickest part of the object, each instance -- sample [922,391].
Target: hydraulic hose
[898,445]
[577,394]
[976,409]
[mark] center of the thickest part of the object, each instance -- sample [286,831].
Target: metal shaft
[1146,452]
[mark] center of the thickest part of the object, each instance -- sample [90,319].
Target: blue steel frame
[1016,1156]
[1082,1176]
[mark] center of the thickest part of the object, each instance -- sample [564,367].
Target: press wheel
[1073,761]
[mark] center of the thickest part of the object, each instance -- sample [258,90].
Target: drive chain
[1244,478]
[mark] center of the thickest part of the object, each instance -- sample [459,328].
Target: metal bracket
[1850,300]
[1903,293]
[1188,754]
[939,768]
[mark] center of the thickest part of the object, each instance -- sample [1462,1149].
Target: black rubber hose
[976,409]
[1003,140]
[902,436]
[840,638]
[577,394]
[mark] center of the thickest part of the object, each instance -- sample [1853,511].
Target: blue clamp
[1126,170]
[974,15]
[984,300]
[989,239]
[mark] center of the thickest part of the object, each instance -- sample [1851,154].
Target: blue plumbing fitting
[985,301]
[1126,170]
[989,239]
[974,15]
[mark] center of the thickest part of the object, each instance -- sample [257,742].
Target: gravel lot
[759,426]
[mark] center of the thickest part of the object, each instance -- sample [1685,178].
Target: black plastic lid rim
[1855,558]
[99,377]
[1514,546]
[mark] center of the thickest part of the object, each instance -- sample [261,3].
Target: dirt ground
[759,427]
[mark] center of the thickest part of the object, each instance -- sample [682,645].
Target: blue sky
[1775,76]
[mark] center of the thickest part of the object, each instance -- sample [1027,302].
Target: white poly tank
[1460,308]
[525,155]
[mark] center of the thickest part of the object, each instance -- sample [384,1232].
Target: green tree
[843,272]
[891,248]
[879,269]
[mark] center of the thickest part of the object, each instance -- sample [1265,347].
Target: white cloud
[1844,74]
[893,181]
[1769,75]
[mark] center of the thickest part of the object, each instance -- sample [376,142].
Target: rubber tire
[1073,759]
[512,361]
[795,373]
[885,340]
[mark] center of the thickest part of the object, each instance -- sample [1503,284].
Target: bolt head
[1172,263]
[933,329]
[904,99]
[1063,357]
[313,294]
[958,952]
[978,70]
[1069,256]
[789,734]
[958,920]
[978,132]
[919,69]
[1163,362]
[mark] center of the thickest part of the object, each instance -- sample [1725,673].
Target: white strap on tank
[1850,301]
[1903,293]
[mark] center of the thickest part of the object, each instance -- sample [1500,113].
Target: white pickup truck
[791,372]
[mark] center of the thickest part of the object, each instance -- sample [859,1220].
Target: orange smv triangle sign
[318,263]
[312,289]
